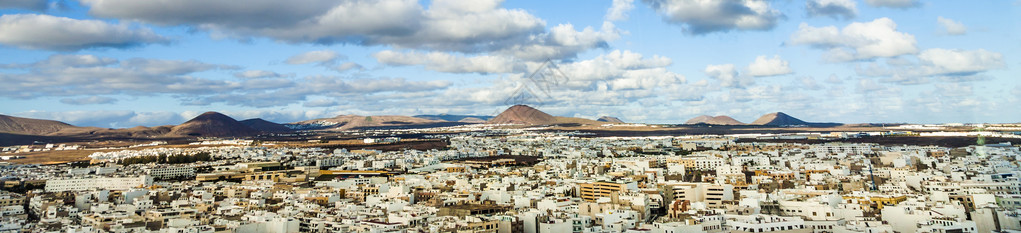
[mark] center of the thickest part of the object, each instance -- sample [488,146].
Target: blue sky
[123,63]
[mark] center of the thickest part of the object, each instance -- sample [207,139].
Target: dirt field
[54,157]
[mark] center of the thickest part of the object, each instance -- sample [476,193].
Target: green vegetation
[168,159]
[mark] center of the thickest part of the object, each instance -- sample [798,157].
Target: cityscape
[491,116]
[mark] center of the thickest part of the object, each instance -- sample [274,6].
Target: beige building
[595,190]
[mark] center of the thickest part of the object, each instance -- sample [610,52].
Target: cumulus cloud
[35,5]
[349,66]
[34,31]
[320,86]
[89,100]
[728,76]
[948,64]
[619,10]
[647,79]
[317,103]
[323,57]
[446,62]
[448,25]
[563,41]
[833,79]
[894,3]
[90,75]
[258,74]
[99,118]
[857,41]
[613,65]
[707,16]
[952,27]
[837,9]
[763,66]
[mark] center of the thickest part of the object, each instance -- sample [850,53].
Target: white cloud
[36,5]
[258,74]
[952,27]
[619,10]
[563,41]
[586,73]
[316,103]
[837,9]
[81,118]
[446,62]
[948,64]
[349,66]
[857,41]
[728,76]
[92,75]
[833,79]
[323,57]
[89,100]
[809,83]
[763,66]
[449,25]
[707,16]
[33,31]
[894,3]
[959,62]
[647,79]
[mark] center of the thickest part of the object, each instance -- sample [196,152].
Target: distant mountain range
[770,119]
[610,119]
[713,120]
[459,118]
[18,130]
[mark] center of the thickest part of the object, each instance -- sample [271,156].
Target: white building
[172,172]
[111,183]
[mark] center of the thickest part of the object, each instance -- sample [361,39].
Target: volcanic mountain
[265,126]
[473,120]
[212,124]
[778,118]
[524,115]
[18,125]
[713,120]
[346,122]
[610,119]
[448,117]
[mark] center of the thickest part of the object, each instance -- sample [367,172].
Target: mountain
[448,117]
[212,124]
[524,115]
[96,132]
[19,125]
[777,119]
[713,120]
[473,120]
[265,126]
[346,122]
[610,119]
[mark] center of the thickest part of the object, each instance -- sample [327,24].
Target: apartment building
[595,190]
[111,183]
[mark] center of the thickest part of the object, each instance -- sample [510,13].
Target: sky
[125,63]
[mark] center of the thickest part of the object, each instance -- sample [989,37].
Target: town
[534,182]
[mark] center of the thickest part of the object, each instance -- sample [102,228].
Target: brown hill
[472,120]
[345,122]
[523,115]
[19,125]
[212,124]
[778,118]
[610,119]
[96,132]
[265,126]
[713,120]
